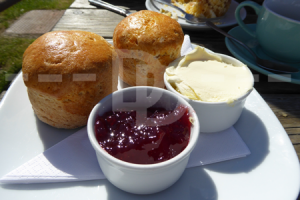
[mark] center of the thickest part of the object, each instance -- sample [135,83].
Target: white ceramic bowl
[216,116]
[139,178]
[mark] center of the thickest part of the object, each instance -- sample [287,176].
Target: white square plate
[270,172]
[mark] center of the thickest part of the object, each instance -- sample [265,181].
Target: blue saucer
[243,55]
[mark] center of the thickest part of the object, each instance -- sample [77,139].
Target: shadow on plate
[50,135]
[253,132]
[73,156]
[195,183]
[50,186]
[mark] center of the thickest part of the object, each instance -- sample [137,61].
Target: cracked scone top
[146,42]
[66,74]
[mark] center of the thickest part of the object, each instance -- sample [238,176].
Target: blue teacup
[277,29]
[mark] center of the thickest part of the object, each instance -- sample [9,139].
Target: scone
[146,42]
[67,73]
[204,8]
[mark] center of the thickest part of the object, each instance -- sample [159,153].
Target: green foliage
[11,53]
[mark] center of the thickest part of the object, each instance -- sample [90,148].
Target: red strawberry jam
[165,137]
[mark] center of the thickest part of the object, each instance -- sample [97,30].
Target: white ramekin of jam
[143,137]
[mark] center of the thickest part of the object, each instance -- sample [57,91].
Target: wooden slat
[297,148]
[293,131]
[286,107]
[81,4]
[295,139]
[99,21]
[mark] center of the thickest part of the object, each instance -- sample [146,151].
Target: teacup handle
[256,8]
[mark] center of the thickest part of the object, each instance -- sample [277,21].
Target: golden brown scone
[204,8]
[67,73]
[148,41]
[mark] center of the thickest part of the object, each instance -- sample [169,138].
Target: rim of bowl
[186,152]
[170,87]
